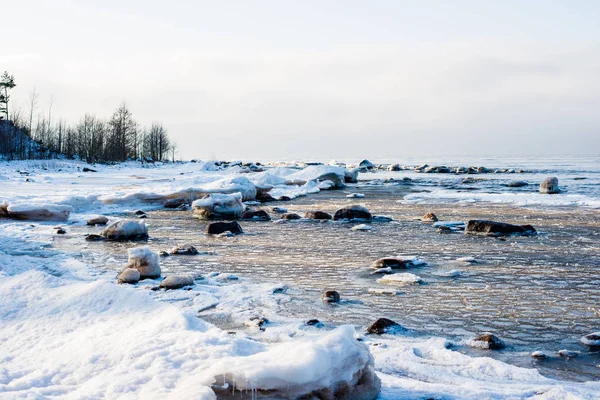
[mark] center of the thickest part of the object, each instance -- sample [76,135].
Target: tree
[122,135]
[7,82]
[156,144]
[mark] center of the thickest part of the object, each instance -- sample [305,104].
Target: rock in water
[487,341]
[256,215]
[353,212]
[366,165]
[216,205]
[129,275]
[517,184]
[429,217]
[492,228]
[46,212]
[549,186]
[591,340]
[126,230]
[217,228]
[176,282]
[185,249]
[393,263]
[145,261]
[382,325]
[317,215]
[100,220]
[92,237]
[331,296]
[351,175]
[290,216]
[176,202]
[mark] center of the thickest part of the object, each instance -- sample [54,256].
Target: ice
[404,278]
[219,206]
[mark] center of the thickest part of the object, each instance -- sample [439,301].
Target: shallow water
[536,293]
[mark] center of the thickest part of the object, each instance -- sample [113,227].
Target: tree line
[33,135]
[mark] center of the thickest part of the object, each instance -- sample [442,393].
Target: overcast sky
[320,79]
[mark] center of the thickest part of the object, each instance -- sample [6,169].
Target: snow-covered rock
[351,175]
[592,340]
[217,205]
[362,227]
[33,212]
[145,261]
[335,365]
[355,195]
[126,230]
[99,220]
[486,341]
[129,275]
[319,173]
[172,282]
[549,186]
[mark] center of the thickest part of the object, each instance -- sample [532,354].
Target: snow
[36,212]
[362,227]
[145,261]
[593,339]
[126,229]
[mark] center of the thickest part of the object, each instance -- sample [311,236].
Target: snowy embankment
[69,331]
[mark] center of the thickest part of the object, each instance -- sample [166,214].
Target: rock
[216,205]
[591,340]
[355,195]
[290,216]
[216,228]
[492,228]
[313,322]
[263,195]
[139,212]
[445,229]
[258,322]
[366,165]
[487,341]
[92,237]
[185,249]
[172,282]
[100,220]
[382,218]
[256,215]
[129,275]
[393,263]
[145,261]
[517,184]
[352,212]
[429,217]
[163,253]
[284,198]
[351,175]
[331,296]
[279,210]
[394,167]
[404,278]
[126,230]
[568,353]
[317,215]
[382,325]
[176,202]
[60,231]
[538,355]
[549,186]
[86,169]
[45,212]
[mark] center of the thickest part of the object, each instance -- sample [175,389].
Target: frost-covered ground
[69,331]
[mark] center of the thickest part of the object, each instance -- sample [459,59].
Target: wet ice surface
[536,293]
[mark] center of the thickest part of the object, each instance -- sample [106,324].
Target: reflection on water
[536,293]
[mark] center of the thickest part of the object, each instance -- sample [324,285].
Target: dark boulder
[381,326]
[331,296]
[257,215]
[263,196]
[284,198]
[429,217]
[290,216]
[100,220]
[92,237]
[185,249]
[487,341]
[353,212]
[492,228]
[217,228]
[393,263]
[317,215]
[86,169]
[175,203]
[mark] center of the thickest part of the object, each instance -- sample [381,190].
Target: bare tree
[7,82]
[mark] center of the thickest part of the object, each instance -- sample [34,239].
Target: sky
[322,79]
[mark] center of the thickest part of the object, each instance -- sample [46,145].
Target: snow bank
[219,206]
[319,173]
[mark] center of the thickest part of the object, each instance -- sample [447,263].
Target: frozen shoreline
[71,306]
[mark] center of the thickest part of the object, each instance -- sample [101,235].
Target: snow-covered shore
[68,331]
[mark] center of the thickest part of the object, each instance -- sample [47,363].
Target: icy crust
[219,206]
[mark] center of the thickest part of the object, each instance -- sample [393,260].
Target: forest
[32,134]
